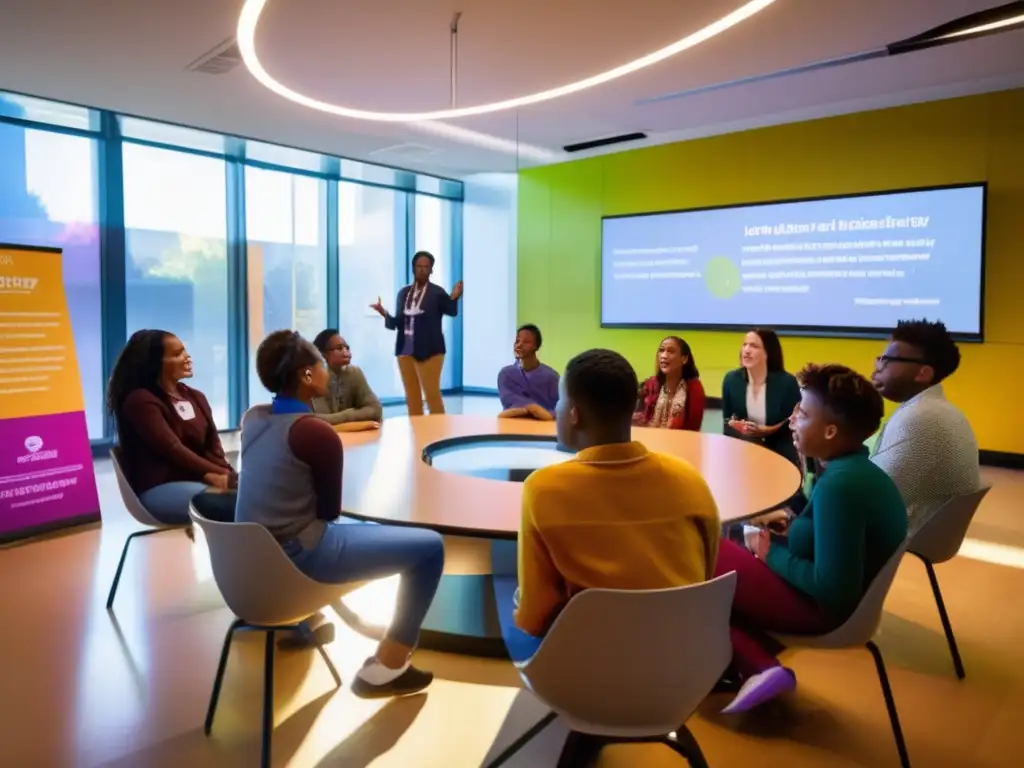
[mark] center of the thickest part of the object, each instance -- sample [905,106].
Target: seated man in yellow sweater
[616,516]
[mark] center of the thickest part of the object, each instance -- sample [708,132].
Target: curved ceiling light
[250,17]
[1004,18]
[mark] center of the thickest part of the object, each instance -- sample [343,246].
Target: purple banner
[46,472]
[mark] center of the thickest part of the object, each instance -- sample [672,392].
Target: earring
[309,376]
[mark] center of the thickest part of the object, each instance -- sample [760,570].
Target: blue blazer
[427,338]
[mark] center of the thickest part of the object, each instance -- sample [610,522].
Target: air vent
[595,143]
[219,60]
[406,150]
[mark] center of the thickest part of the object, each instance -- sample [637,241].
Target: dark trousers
[219,507]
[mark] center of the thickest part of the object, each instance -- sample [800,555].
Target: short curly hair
[422,255]
[849,397]
[937,347]
[604,383]
[322,338]
[280,356]
[531,328]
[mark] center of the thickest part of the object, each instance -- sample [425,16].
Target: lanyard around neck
[413,302]
[414,299]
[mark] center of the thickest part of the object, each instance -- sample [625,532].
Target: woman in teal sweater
[811,581]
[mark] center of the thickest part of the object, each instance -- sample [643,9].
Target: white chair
[267,593]
[938,540]
[630,666]
[860,630]
[136,510]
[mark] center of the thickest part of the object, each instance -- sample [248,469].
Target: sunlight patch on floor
[375,602]
[201,566]
[996,554]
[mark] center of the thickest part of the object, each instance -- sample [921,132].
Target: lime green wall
[959,140]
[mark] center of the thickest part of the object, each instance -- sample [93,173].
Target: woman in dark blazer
[759,396]
[419,342]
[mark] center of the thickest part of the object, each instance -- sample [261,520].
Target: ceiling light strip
[248,21]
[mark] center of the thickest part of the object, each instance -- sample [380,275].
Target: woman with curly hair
[170,451]
[811,580]
[291,484]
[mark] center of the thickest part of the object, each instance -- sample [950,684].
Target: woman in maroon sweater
[170,450]
[673,398]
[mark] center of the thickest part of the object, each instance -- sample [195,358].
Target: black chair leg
[330,665]
[580,750]
[219,679]
[120,563]
[684,743]
[958,664]
[522,741]
[890,704]
[268,699]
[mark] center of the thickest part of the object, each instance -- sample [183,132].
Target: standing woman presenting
[420,343]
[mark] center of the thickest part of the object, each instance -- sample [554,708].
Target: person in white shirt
[927,446]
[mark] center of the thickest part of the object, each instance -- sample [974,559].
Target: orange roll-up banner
[46,471]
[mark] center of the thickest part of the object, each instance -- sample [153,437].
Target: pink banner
[46,472]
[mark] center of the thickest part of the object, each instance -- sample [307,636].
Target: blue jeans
[357,552]
[169,502]
[520,645]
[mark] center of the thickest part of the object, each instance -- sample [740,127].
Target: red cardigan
[693,410]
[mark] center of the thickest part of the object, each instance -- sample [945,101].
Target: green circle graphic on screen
[722,277]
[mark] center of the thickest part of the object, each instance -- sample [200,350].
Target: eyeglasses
[883,360]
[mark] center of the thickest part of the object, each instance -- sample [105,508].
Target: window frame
[105,127]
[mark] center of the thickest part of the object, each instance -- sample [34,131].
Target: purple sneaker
[760,688]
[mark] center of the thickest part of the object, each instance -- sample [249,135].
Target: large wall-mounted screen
[839,265]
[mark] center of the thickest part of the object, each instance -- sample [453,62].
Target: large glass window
[371,262]
[434,234]
[286,228]
[489,269]
[177,196]
[48,112]
[176,272]
[48,197]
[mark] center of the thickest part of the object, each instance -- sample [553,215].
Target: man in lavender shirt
[528,388]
